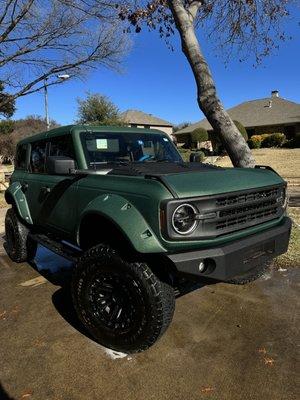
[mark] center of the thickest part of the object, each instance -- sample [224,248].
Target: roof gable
[142,118]
[261,112]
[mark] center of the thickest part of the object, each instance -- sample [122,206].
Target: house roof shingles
[141,118]
[257,113]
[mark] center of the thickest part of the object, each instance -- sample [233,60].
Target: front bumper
[227,261]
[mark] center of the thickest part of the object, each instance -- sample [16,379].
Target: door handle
[45,189]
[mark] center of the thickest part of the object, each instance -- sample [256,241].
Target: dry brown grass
[292,257]
[285,161]
[2,201]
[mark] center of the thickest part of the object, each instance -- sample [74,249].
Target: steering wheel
[146,157]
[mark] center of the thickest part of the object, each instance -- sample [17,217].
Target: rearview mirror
[59,165]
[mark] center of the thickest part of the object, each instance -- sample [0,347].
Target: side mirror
[59,165]
[195,157]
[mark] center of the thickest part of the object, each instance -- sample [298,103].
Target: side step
[62,249]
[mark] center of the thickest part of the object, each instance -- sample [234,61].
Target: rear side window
[62,146]
[20,162]
[38,157]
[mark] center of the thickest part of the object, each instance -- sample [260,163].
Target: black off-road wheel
[122,304]
[250,276]
[18,245]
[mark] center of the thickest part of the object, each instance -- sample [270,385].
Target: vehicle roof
[69,129]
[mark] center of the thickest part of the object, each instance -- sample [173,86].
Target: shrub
[6,126]
[201,155]
[185,154]
[255,142]
[199,135]
[273,140]
[241,129]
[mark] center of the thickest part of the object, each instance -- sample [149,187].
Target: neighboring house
[139,119]
[269,115]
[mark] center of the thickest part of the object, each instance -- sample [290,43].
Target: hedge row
[185,154]
[273,140]
[267,140]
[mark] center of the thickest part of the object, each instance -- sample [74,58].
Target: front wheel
[122,304]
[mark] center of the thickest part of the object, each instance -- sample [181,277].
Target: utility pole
[46,104]
[61,78]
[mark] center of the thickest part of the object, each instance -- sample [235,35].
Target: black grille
[247,197]
[248,209]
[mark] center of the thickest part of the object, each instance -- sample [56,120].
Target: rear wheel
[122,304]
[250,276]
[18,244]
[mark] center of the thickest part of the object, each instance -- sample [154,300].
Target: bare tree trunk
[207,97]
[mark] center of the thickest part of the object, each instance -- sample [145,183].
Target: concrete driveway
[225,342]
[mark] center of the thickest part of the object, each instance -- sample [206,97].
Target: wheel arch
[15,196]
[119,217]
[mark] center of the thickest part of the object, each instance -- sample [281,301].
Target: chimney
[274,93]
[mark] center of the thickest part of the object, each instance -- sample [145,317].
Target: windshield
[125,147]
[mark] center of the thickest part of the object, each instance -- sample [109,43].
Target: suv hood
[199,179]
[223,180]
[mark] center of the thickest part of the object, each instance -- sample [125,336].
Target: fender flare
[127,219]
[14,195]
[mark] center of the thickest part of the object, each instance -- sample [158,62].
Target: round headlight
[183,219]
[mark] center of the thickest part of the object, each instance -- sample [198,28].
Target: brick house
[269,115]
[140,119]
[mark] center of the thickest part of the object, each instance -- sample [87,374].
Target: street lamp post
[62,77]
[46,104]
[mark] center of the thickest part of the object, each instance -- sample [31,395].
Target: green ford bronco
[137,222]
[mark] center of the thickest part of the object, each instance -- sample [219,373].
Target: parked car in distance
[137,222]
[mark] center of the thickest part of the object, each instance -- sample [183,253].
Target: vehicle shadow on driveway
[58,271]
[62,301]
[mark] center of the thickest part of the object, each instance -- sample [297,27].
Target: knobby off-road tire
[122,304]
[18,245]
[250,276]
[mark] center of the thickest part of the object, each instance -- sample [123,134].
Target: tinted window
[62,146]
[20,162]
[38,157]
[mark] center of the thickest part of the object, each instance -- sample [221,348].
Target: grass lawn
[285,161]
[292,257]
[2,201]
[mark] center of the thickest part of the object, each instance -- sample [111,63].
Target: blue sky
[159,81]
